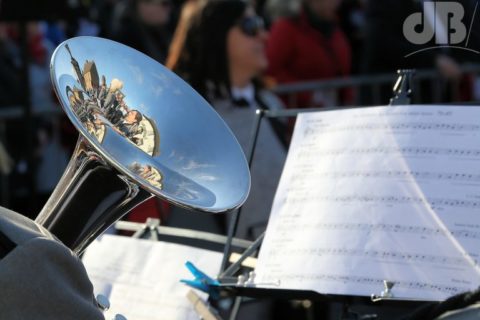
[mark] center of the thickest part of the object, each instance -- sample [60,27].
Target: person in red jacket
[310,46]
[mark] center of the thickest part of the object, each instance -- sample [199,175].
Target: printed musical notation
[441,176]
[423,126]
[404,151]
[392,192]
[371,228]
[346,199]
[377,255]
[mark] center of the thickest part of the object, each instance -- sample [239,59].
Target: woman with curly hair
[223,57]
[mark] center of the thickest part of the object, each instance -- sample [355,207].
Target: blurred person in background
[386,48]
[50,156]
[223,57]
[10,91]
[143,25]
[28,40]
[39,51]
[353,21]
[189,9]
[386,45]
[276,9]
[310,46]
[102,12]
[10,86]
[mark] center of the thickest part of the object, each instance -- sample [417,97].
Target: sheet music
[142,277]
[373,194]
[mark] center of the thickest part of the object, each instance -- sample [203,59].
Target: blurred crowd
[232,52]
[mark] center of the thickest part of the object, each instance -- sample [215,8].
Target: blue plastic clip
[202,282]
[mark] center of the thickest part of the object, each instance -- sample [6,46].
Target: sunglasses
[251,25]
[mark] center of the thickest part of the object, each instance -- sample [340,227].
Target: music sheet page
[141,278]
[373,194]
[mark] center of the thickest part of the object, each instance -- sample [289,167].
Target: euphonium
[143,132]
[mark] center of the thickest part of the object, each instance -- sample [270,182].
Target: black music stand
[402,93]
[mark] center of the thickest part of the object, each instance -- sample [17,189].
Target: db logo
[442,20]
[446,15]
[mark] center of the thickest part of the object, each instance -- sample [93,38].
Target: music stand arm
[232,228]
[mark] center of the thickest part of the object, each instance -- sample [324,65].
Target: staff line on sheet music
[388,228]
[375,254]
[424,126]
[377,282]
[408,151]
[448,176]
[389,200]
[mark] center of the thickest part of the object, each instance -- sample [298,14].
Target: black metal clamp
[402,90]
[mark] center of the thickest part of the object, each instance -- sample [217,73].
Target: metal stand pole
[232,228]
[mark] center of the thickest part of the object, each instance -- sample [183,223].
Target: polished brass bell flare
[143,132]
